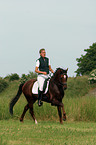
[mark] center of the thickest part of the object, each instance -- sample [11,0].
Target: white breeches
[41,79]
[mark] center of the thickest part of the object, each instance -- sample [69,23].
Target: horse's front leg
[64,113]
[59,104]
[60,114]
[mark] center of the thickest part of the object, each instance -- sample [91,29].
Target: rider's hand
[44,73]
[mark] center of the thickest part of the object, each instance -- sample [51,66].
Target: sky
[63,28]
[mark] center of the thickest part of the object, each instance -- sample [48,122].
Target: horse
[54,95]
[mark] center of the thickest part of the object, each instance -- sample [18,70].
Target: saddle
[45,87]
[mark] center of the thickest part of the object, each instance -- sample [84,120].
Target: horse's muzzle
[65,86]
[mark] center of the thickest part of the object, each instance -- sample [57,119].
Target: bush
[92,77]
[7,77]
[14,77]
[25,78]
[3,85]
[32,75]
[78,86]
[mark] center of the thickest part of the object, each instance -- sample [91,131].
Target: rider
[42,68]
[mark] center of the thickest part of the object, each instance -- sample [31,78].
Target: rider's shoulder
[37,59]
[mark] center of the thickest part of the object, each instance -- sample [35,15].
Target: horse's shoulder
[51,81]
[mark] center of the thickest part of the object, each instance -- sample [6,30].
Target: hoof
[64,119]
[36,121]
[21,120]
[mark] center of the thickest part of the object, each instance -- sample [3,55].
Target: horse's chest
[61,91]
[57,91]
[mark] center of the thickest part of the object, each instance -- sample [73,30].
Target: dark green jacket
[44,64]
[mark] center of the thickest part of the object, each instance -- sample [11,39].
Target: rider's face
[43,53]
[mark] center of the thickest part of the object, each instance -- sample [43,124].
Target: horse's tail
[15,99]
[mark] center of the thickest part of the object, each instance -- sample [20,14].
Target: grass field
[79,129]
[12,132]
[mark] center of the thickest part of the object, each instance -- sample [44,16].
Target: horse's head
[61,77]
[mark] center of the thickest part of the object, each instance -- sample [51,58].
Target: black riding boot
[39,98]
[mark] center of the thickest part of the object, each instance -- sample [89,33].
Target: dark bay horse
[55,94]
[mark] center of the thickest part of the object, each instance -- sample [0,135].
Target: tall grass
[81,109]
[78,86]
[78,106]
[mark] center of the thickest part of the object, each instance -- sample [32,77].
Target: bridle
[63,75]
[60,80]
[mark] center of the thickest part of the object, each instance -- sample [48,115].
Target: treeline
[87,63]
[4,82]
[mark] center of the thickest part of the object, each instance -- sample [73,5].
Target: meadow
[80,127]
[47,133]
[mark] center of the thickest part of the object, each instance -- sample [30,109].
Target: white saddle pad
[35,88]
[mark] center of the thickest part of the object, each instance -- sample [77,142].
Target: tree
[86,63]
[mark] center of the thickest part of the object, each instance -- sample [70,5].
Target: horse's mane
[63,70]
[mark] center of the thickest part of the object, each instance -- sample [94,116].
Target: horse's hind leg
[32,113]
[23,114]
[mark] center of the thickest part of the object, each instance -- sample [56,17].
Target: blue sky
[63,28]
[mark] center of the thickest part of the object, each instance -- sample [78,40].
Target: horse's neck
[57,83]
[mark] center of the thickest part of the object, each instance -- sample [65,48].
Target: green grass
[77,109]
[79,129]
[78,86]
[81,108]
[47,133]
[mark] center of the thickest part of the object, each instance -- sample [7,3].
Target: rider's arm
[40,72]
[51,69]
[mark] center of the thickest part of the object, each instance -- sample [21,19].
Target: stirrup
[40,103]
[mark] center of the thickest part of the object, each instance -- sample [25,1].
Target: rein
[60,83]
